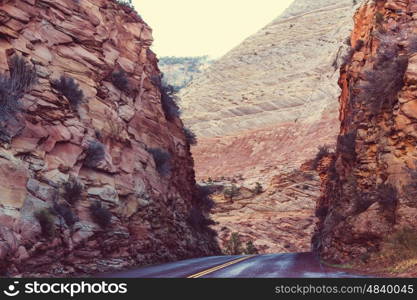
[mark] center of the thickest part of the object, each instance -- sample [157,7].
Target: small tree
[231,192]
[251,249]
[234,245]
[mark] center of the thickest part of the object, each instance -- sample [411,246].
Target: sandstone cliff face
[369,188]
[263,109]
[49,142]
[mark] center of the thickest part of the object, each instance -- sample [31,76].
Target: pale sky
[205,27]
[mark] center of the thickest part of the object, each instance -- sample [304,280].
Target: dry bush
[168,99]
[101,215]
[46,220]
[12,88]
[95,153]
[73,190]
[71,90]
[322,153]
[162,160]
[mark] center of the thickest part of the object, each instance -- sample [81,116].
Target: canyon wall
[96,175]
[368,209]
[261,111]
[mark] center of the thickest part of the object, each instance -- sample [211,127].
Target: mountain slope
[262,110]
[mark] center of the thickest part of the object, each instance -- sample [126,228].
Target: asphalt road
[297,265]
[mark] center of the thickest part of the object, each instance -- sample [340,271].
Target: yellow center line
[214,269]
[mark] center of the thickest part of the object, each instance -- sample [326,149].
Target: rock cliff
[262,110]
[368,211]
[96,171]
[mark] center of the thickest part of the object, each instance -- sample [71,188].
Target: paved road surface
[299,265]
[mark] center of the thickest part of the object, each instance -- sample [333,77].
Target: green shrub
[73,190]
[95,153]
[162,160]
[234,245]
[101,215]
[71,90]
[46,220]
[231,192]
[251,249]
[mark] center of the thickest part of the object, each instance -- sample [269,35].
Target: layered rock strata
[94,117]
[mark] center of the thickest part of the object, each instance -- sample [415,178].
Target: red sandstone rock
[88,40]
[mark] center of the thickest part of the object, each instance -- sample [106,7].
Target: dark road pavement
[297,265]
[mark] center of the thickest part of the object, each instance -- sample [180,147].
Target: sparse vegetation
[398,252]
[385,80]
[162,160]
[203,198]
[12,89]
[190,136]
[322,153]
[129,5]
[101,215]
[120,80]
[258,189]
[234,245]
[168,99]
[72,190]
[231,192]
[95,153]
[65,211]
[251,249]
[71,90]
[198,220]
[46,220]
